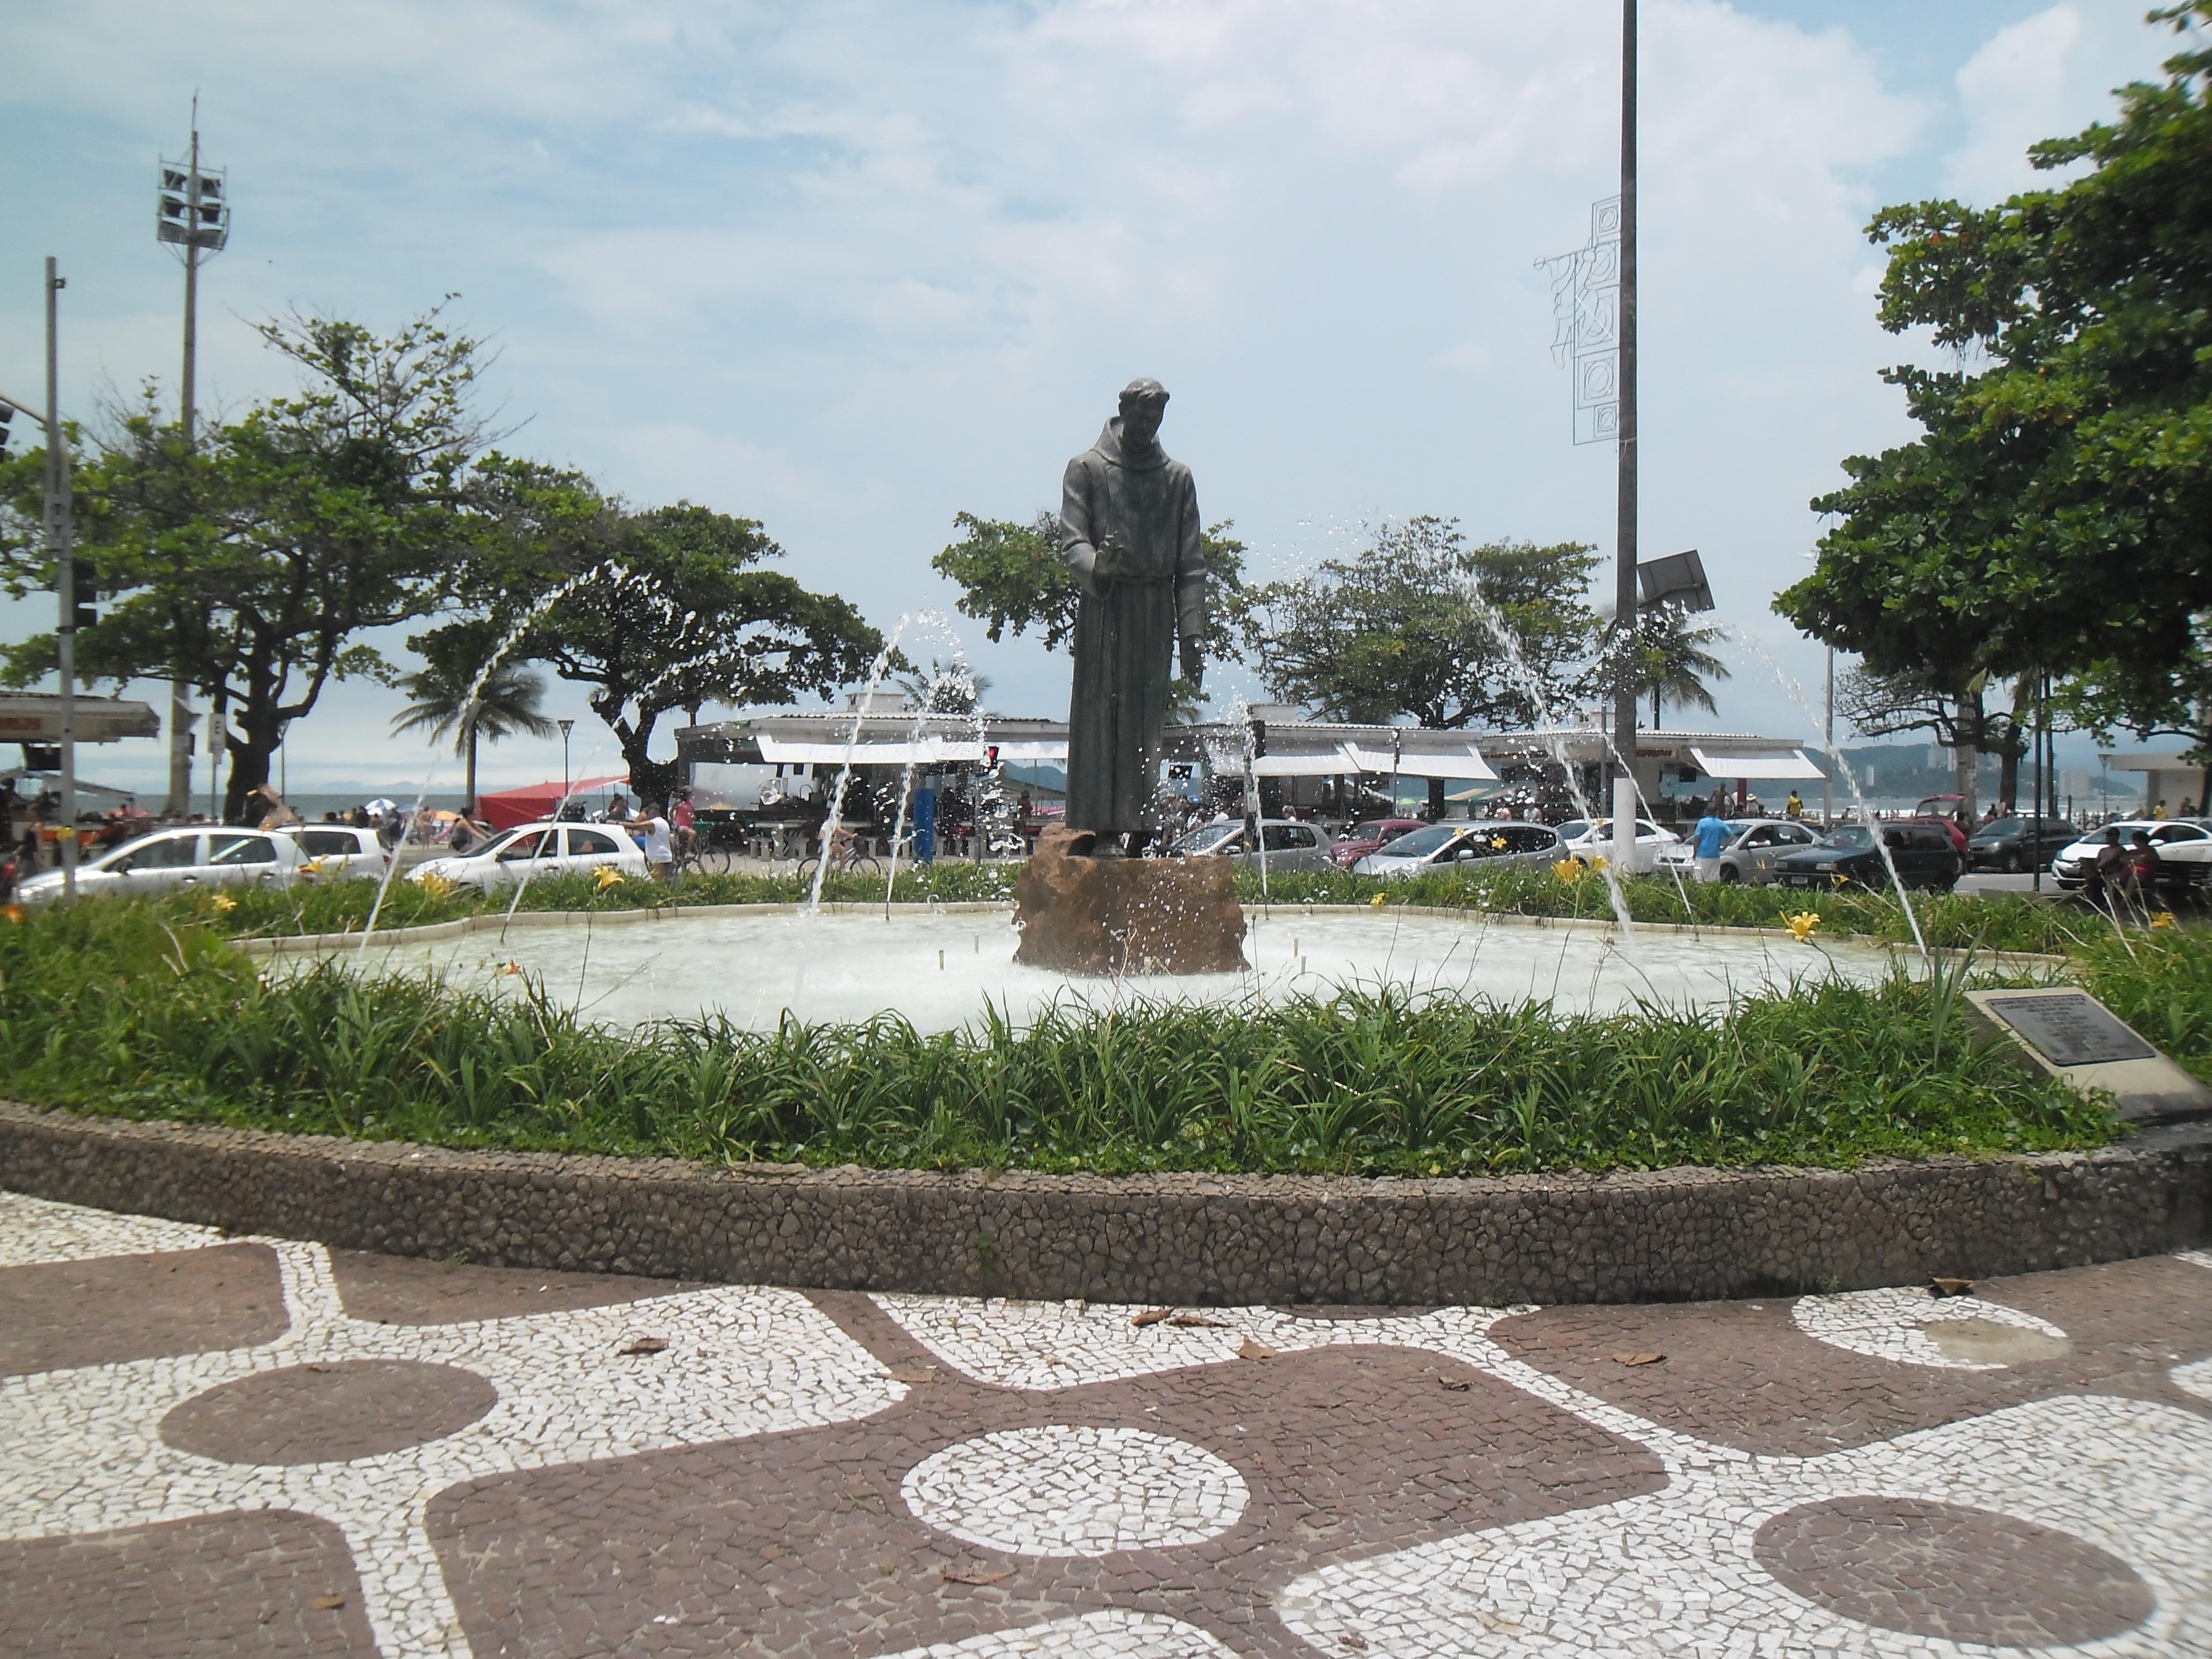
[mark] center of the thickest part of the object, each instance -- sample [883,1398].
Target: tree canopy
[249,563]
[2055,513]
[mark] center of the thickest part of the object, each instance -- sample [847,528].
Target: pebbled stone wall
[1668,1235]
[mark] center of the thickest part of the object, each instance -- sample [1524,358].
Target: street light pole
[1828,749]
[567,726]
[57,544]
[1624,602]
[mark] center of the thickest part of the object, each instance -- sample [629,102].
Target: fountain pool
[940,968]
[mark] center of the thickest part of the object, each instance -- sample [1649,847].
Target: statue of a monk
[1129,534]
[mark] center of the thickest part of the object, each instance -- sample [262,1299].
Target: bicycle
[698,854]
[847,858]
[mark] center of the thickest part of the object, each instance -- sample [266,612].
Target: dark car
[1922,852]
[2017,844]
[1365,837]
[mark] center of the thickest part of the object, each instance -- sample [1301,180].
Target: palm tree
[1671,662]
[505,703]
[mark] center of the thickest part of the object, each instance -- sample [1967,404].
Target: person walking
[1711,836]
[1793,809]
[652,835]
[2107,870]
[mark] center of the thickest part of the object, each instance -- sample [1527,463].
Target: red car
[1361,839]
[1943,810]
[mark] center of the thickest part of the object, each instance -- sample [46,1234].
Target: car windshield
[1851,835]
[1374,830]
[1208,839]
[1419,843]
[1573,827]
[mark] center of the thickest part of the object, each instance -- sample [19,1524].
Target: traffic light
[85,599]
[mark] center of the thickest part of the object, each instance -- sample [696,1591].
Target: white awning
[1048,749]
[1327,765]
[36,717]
[1464,762]
[1766,764]
[929,751]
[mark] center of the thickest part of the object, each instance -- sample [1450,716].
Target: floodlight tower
[192,215]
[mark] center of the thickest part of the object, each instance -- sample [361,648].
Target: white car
[539,850]
[1588,838]
[1290,844]
[1751,851]
[338,850]
[2184,849]
[170,860]
[1439,845]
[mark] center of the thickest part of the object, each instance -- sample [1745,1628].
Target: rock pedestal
[1097,917]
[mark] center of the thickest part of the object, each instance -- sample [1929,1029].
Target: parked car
[1753,849]
[167,859]
[2184,850]
[1290,844]
[1943,811]
[2018,844]
[1437,845]
[337,850]
[1922,852]
[1365,837]
[532,850]
[1588,838]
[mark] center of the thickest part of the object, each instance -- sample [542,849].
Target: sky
[852,267]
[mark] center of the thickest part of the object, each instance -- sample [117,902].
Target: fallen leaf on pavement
[1355,1643]
[1248,1349]
[647,1345]
[1456,1385]
[926,1374]
[1153,1317]
[975,1575]
[325,1603]
[1188,1322]
[1647,1358]
[1943,1287]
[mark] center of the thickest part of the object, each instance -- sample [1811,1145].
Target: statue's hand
[1112,561]
[1194,666]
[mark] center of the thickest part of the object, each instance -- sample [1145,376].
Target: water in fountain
[958,681]
[616,574]
[1543,701]
[876,673]
[1643,805]
[1750,643]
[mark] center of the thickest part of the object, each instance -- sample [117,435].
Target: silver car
[1290,845]
[171,859]
[1750,855]
[1459,845]
[337,850]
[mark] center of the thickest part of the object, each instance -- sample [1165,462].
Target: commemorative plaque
[2070,1034]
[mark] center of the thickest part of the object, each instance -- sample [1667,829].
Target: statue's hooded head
[1144,402]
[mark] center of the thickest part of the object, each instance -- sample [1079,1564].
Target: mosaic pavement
[232,1445]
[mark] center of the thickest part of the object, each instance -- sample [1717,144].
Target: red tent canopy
[534,801]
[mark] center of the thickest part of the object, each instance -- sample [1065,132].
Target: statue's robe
[1136,599]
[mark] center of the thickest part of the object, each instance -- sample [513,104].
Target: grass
[146,1009]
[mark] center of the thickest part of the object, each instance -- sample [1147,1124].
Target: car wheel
[1730,873]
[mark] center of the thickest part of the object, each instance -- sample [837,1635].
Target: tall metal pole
[180,691]
[1624,602]
[1828,743]
[57,542]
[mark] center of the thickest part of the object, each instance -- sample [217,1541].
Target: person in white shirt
[651,833]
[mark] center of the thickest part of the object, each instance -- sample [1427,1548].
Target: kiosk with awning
[1775,762]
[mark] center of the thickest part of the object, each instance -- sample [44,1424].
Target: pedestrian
[652,835]
[2107,870]
[685,819]
[2187,806]
[1711,835]
[617,811]
[1793,809]
[2143,868]
[2158,811]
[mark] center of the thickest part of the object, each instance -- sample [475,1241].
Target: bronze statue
[1129,534]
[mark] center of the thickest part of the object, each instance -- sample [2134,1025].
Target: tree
[943,688]
[2108,697]
[1669,661]
[2057,511]
[1955,711]
[660,610]
[1423,625]
[250,563]
[464,691]
[1011,577]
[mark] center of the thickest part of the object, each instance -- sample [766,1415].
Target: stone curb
[1668,1235]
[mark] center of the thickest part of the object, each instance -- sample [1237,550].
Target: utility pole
[1624,601]
[1828,749]
[57,544]
[192,213]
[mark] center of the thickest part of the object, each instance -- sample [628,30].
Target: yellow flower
[15,913]
[224,902]
[65,832]
[513,968]
[1597,861]
[1569,868]
[1378,901]
[2163,918]
[1802,924]
[609,877]
[311,869]
[436,885]
[1497,843]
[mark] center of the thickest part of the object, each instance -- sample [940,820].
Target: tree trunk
[468,802]
[249,770]
[2008,778]
[1436,799]
[1968,755]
